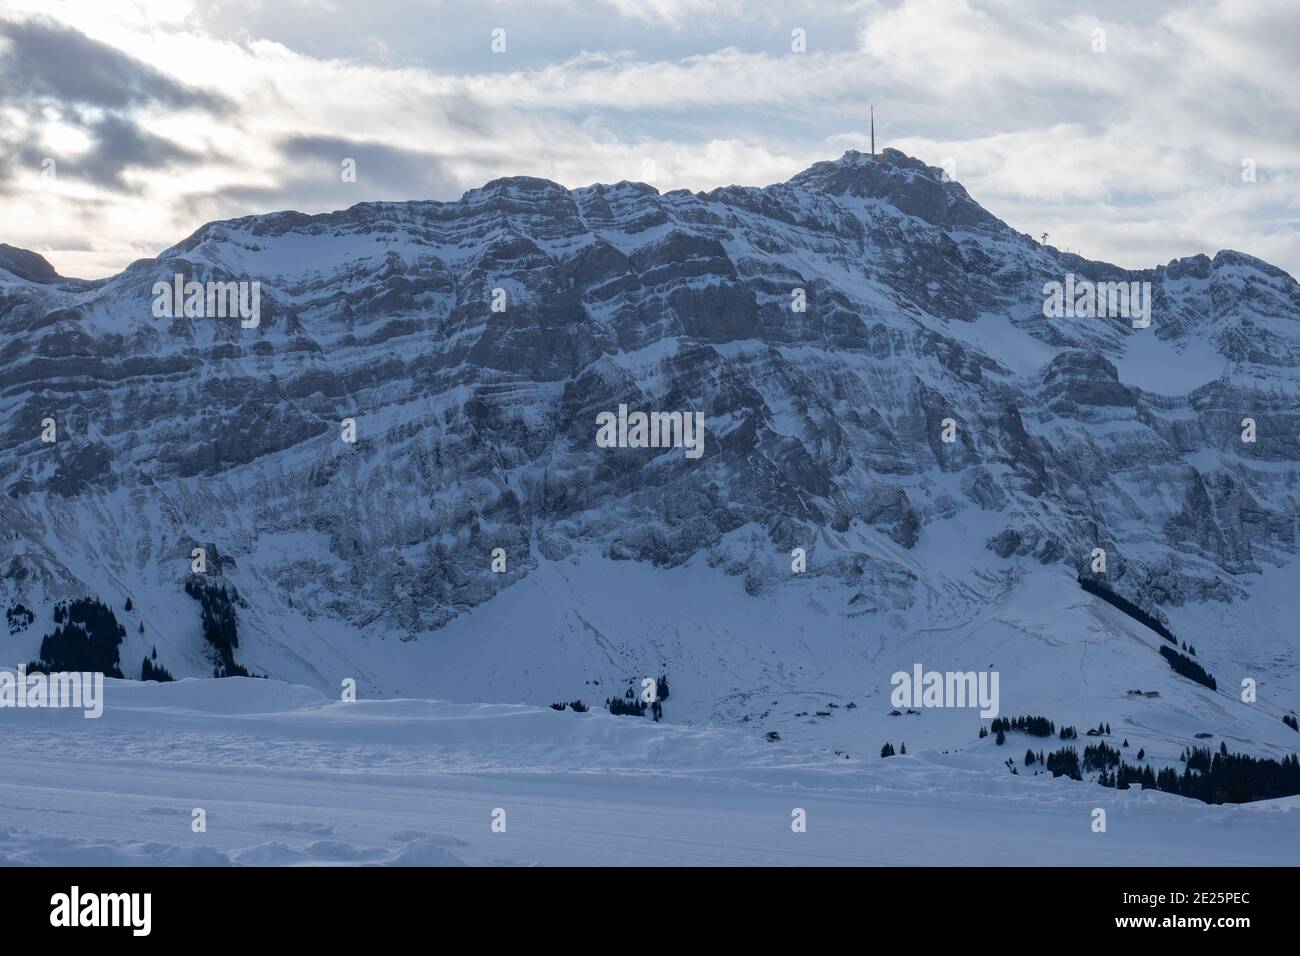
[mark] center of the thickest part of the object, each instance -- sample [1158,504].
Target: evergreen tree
[661,687]
[1093,586]
[887,750]
[155,672]
[1188,668]
[87,640]
[619,706]
[902,749]
[1065,762]
[220,623]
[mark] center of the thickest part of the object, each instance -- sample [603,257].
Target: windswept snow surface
[288,777]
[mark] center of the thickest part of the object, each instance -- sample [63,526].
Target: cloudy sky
[1118,128]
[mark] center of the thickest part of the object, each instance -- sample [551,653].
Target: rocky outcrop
[866,344]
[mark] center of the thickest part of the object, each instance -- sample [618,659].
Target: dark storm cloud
[94,86]
[392,171]
[117,144]
[121,144]
[45,62]
[311,180]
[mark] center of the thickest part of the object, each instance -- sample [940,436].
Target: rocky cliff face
[922,320]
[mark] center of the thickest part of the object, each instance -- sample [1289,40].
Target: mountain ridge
[475,428]
[851,159]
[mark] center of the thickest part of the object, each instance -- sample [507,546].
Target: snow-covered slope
[284,776]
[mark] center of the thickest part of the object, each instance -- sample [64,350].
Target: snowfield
[288,777]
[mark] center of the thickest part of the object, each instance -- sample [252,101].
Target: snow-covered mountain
[922,318]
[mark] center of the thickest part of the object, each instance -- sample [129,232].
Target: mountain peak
[889,155]
[531,187]
[28,265]
[903,181]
